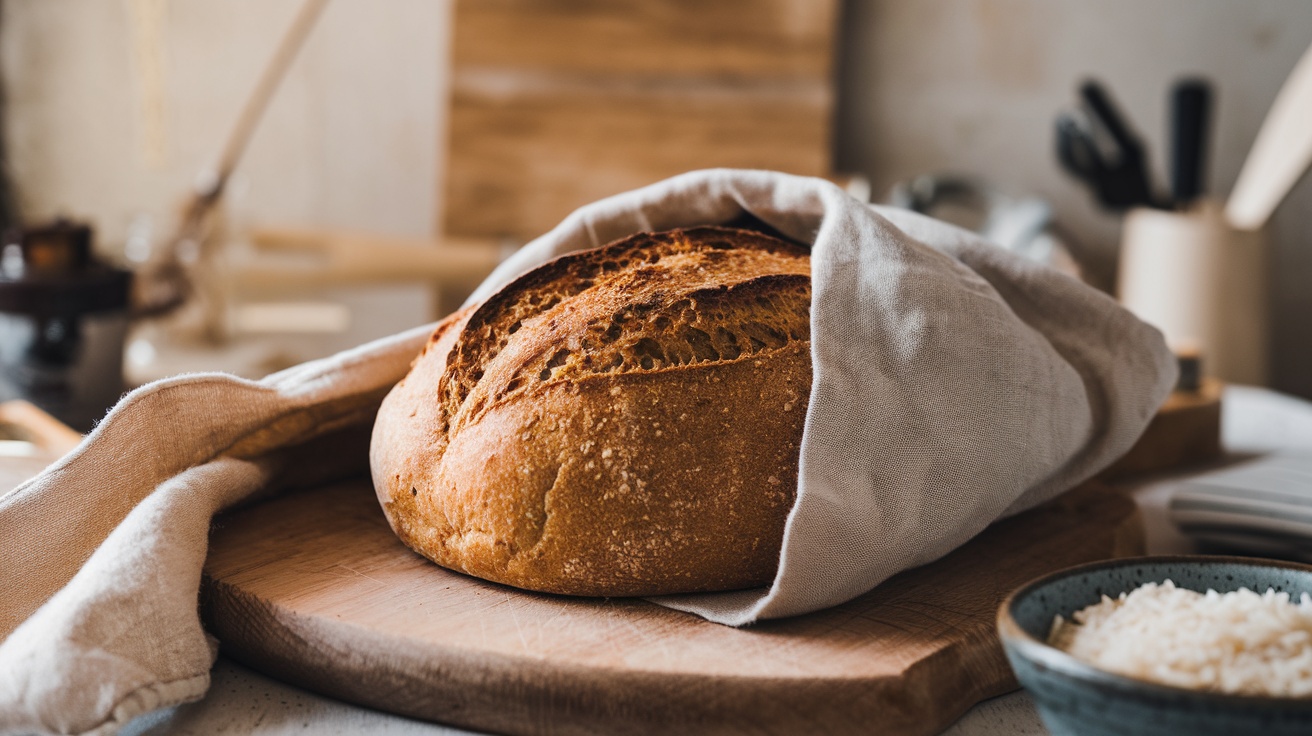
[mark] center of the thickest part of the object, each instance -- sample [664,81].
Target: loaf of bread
[619,421]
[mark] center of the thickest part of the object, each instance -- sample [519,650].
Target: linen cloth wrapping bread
[953,384]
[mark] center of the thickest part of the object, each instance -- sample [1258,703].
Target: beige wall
[972,86]
[354,138]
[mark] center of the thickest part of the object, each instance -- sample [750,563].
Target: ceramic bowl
[1077,698]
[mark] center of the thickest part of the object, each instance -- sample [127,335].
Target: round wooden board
[313,588]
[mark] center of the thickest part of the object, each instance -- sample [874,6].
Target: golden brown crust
[620,421]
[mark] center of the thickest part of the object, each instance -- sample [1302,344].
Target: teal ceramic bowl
[1079,699]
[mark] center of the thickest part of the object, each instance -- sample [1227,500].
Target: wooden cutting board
[313,588]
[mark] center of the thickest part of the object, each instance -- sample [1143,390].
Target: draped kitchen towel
[953,384]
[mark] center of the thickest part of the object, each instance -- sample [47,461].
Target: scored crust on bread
[619,421]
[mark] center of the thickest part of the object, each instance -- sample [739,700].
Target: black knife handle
[1100,103]
[1191,103]
[1126,182]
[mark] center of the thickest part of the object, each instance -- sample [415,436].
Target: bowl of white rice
[1166,645]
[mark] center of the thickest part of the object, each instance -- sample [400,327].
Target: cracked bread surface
[619,421]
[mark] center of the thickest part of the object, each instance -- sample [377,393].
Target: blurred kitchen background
[483,122]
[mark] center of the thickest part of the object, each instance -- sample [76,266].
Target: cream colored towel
[101,554]
[953,384]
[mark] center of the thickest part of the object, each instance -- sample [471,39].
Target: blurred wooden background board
[557,103]
[314,588]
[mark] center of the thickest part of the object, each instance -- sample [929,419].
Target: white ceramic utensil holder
[1203,283]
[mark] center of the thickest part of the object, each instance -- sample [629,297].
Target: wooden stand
[1186,431]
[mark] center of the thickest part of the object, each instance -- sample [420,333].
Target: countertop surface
[241,701]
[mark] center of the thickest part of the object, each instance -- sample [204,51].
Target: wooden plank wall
[556,103]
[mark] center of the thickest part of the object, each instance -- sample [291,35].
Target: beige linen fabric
[101,554]
[953,384]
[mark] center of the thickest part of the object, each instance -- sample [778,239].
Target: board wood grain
[726,38]
[314,588]
[556,104]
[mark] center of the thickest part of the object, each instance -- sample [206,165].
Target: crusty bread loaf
[619,421]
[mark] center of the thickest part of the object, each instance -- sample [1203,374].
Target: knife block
[1203,283]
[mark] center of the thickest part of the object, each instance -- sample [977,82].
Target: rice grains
[1239,642]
